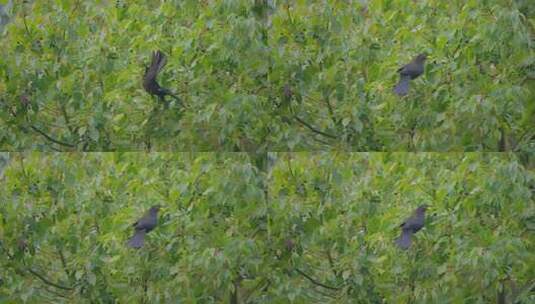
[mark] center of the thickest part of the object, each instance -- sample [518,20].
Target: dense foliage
[277,228]
[344,210]
[268,75]
[68,216]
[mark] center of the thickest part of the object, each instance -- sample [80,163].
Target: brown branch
[313,129]
[313,281]
[42,133]
[46,281]
[39,276]
[51,138]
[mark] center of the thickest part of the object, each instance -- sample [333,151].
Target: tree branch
[43,133]
[314,281]
[313,129]
[46,281]
[50,138]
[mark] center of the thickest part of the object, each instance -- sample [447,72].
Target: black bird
[149,79]
[143,226]
[412,225]
[409,71]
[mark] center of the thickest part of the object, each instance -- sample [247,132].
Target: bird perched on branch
[143,226]
[409,71]
[150,84]
[410,226]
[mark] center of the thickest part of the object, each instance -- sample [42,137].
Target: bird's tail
[159,60]
[402,88]
[404,240]
[137,240]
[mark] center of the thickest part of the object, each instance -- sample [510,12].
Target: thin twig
[46,281]
[314,281]
[51,139]
[313,129]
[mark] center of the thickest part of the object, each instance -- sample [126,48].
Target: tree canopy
[268,75]
[277,228]
[264,146]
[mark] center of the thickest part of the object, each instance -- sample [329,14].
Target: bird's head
[155,208]
[422,208]
[422,57]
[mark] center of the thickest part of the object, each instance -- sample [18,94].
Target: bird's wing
[142,223]
[415,223]
[147,222]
